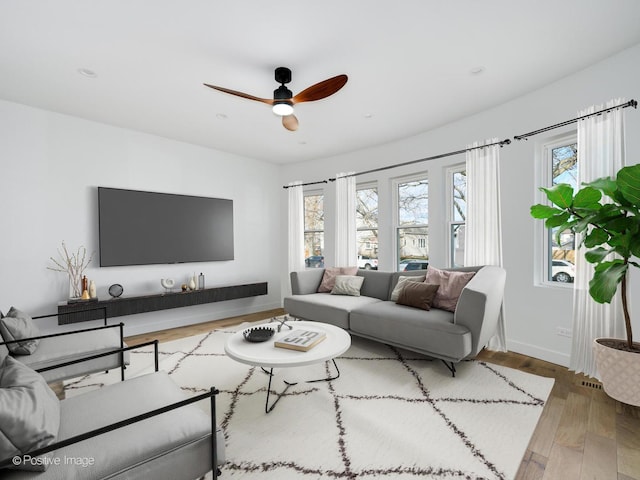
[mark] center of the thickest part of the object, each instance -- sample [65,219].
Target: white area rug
[392,414]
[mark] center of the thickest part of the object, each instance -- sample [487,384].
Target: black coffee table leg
[268,408]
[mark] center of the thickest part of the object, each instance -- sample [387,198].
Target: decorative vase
[619,371]
[192,283]
[92,289]
[75,287]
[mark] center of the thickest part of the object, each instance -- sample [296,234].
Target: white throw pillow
[348,285]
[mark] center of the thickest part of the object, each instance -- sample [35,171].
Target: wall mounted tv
[143,228]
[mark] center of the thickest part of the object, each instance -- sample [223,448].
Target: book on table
[302,340]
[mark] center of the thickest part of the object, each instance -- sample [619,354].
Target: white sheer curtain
[483,236]
[296,227]
[600,154]
[346,248]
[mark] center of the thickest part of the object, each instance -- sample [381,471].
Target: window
[314,230]
[561,166]
[367,227]
[412,220]
[457,195]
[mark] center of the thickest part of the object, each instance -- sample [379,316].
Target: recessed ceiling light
[221,116]
[87,72]
[477,70]
[302,142]
[368,115]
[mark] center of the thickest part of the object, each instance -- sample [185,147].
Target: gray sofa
[449,336]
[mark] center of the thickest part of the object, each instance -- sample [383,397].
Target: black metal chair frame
[129,421]
[120,350]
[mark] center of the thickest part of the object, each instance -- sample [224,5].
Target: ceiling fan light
[282,108]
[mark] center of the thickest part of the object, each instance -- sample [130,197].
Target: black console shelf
[117,307]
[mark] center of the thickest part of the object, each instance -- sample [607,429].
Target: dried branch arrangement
[73,264]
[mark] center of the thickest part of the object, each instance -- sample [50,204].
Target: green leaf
[560,195]
[587,197]
[607,276]
[628,180]
[622,225]
[544,211]
[606,185]
[596,255]
[557,220]
[596,237]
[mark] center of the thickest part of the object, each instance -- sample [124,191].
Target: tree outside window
[457,215]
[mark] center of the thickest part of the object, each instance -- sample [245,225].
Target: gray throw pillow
[401,281]
[418,295]
[347,285]
[17,325]
[29,414]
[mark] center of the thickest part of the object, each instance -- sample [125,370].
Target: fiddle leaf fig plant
[606,214]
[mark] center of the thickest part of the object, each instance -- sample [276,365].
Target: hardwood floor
[582,433]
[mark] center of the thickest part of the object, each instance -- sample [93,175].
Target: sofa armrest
[479,305]
[120,351]
[305,282]
[70,332]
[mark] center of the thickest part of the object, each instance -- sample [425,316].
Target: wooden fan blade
[321,90]
[290,122]
[268,101]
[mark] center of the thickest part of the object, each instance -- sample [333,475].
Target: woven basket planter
[619,371]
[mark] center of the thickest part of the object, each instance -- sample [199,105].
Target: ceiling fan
[283,100]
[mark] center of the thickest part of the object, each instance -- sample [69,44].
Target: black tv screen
[142,228]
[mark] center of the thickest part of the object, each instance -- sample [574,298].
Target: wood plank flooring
[582,433]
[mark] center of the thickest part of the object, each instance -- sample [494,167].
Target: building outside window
[314,230]
[367,227]
[412,222]
[561,166]
[457,208]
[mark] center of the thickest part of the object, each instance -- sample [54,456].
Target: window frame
[313,193]
[544,176]
[370,186]
[395,183]
[450,172]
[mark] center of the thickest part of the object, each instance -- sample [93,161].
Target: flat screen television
[143,228]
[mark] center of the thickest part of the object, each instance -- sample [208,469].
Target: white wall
[533,312]
[50,168]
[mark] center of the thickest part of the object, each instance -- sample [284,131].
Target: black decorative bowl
[258,334]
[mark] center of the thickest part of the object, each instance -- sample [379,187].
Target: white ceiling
[408,62]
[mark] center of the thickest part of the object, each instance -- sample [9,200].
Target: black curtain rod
[305,184]
[442,155]
[630,103]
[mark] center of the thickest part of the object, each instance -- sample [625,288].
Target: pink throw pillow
[451,285]
[330,274]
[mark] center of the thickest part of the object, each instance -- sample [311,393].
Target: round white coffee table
[268,356]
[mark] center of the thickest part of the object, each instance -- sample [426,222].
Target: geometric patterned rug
[392,414]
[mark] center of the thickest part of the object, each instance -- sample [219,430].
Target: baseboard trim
[535,351]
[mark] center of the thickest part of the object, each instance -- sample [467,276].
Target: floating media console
[118,307]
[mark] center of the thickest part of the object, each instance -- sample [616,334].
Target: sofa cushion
[418,295]
[326,308]
[347,285]
[451,285]
[330,274]
[29,413]
[401,281]
[431,332]
[376,283]
[16,325]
